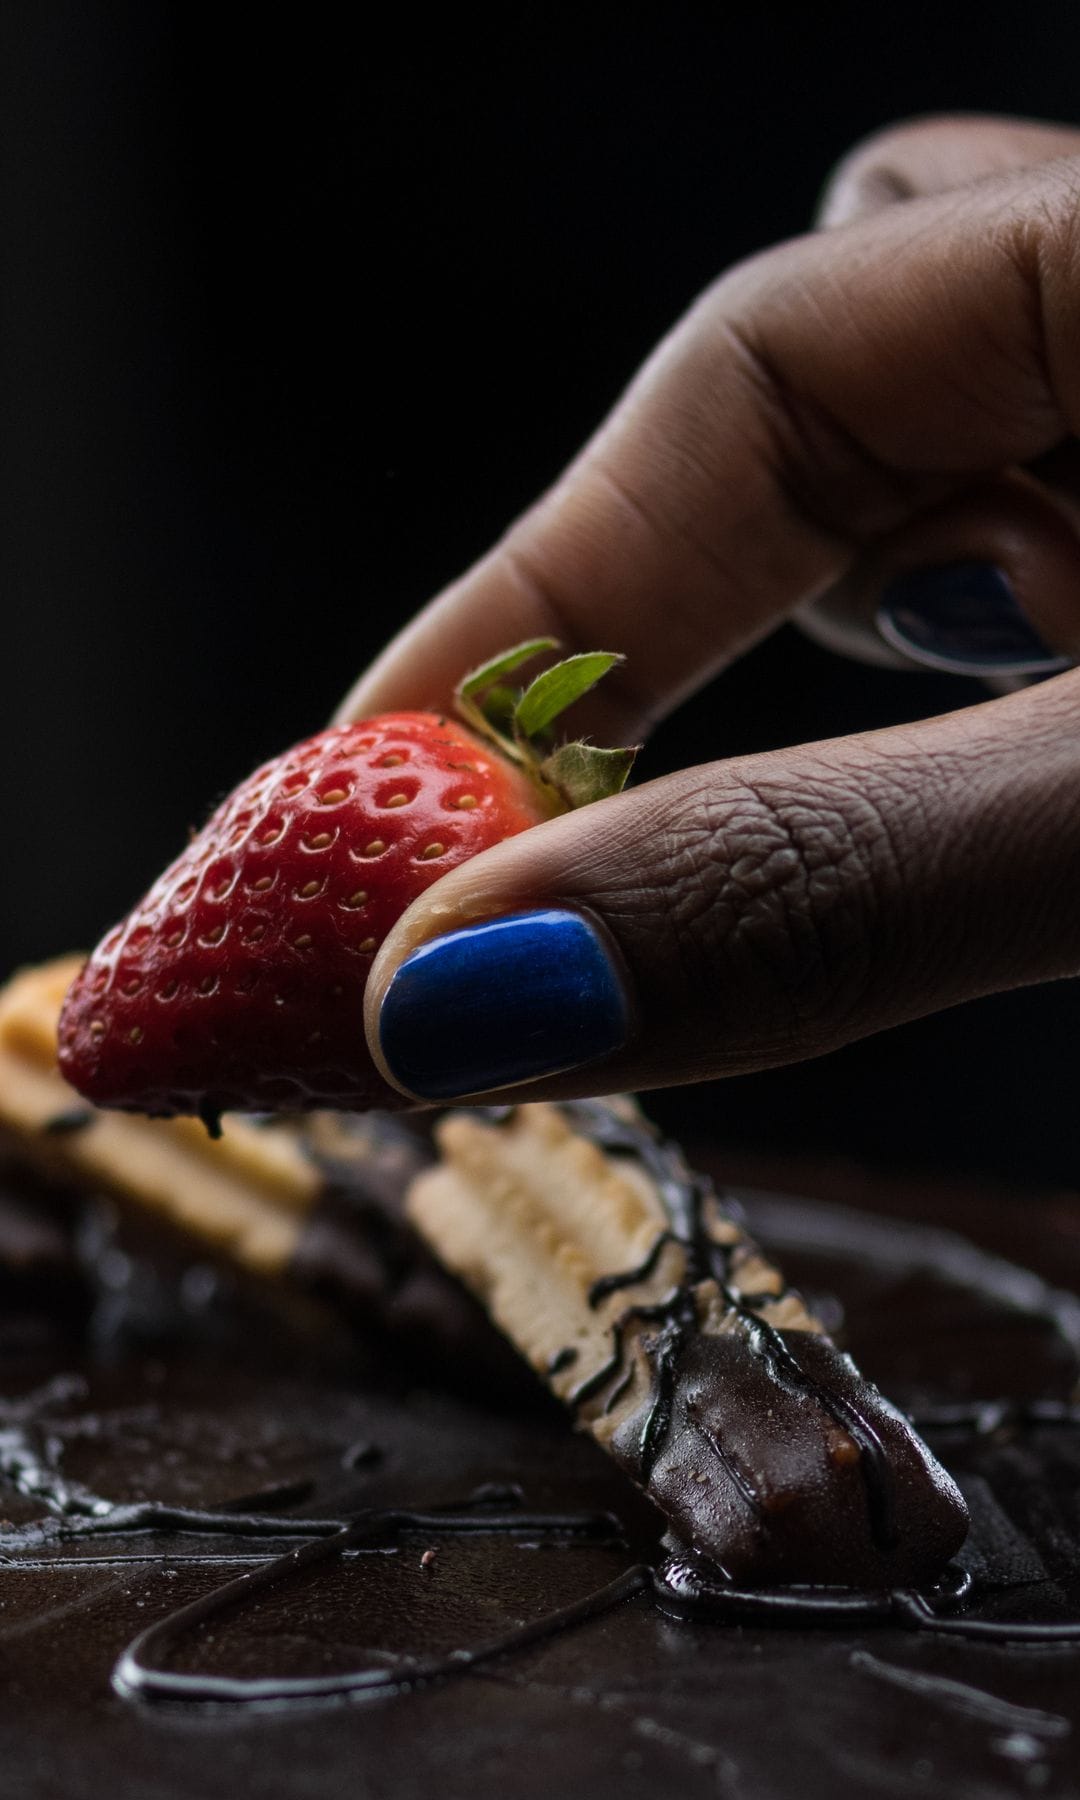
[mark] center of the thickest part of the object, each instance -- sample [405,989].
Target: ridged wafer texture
[244,1196]
[308,1207]
[534,1214]
[649,1311]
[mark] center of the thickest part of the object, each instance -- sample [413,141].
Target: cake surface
[220,1410]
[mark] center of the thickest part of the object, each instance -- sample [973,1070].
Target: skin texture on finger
[775,907]
[921,157]
[818,397]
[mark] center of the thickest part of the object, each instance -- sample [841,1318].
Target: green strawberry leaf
[556,689]
[584,772]
[512,720]
[488,673]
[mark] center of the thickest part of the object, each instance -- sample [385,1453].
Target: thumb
[745,914]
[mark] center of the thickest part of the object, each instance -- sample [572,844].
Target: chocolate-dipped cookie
[656,1319]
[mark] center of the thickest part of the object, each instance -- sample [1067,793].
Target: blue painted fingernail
[965,619]
[490,1005]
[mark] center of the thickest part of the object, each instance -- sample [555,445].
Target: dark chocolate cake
[450,1591]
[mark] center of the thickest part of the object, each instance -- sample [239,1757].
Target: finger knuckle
[878,161]
[1042,226]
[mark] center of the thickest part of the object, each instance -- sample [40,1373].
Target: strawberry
[238,982]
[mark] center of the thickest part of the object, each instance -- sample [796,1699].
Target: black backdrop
[298,311]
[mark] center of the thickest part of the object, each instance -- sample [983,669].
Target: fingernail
[965,619]
[491,1005]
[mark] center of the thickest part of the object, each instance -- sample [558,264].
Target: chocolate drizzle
[610,1284]
[687,1588]
[685,1197]
[138,1674]
[740,1481]
[31,1446]
[874,1462]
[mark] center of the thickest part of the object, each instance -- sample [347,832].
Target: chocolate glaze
[743,1436]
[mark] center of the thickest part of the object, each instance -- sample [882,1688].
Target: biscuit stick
[312,1206]
[678,1346]
[244,1197]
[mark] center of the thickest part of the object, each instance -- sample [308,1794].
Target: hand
[837,426]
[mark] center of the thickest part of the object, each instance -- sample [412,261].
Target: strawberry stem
[518,722]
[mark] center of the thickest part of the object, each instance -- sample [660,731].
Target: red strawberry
[238,982]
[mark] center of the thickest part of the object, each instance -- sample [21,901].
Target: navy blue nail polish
[965,619]
[490,1005]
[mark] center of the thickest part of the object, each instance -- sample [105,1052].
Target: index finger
[816,397]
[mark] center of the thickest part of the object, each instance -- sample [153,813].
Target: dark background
[296,313]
